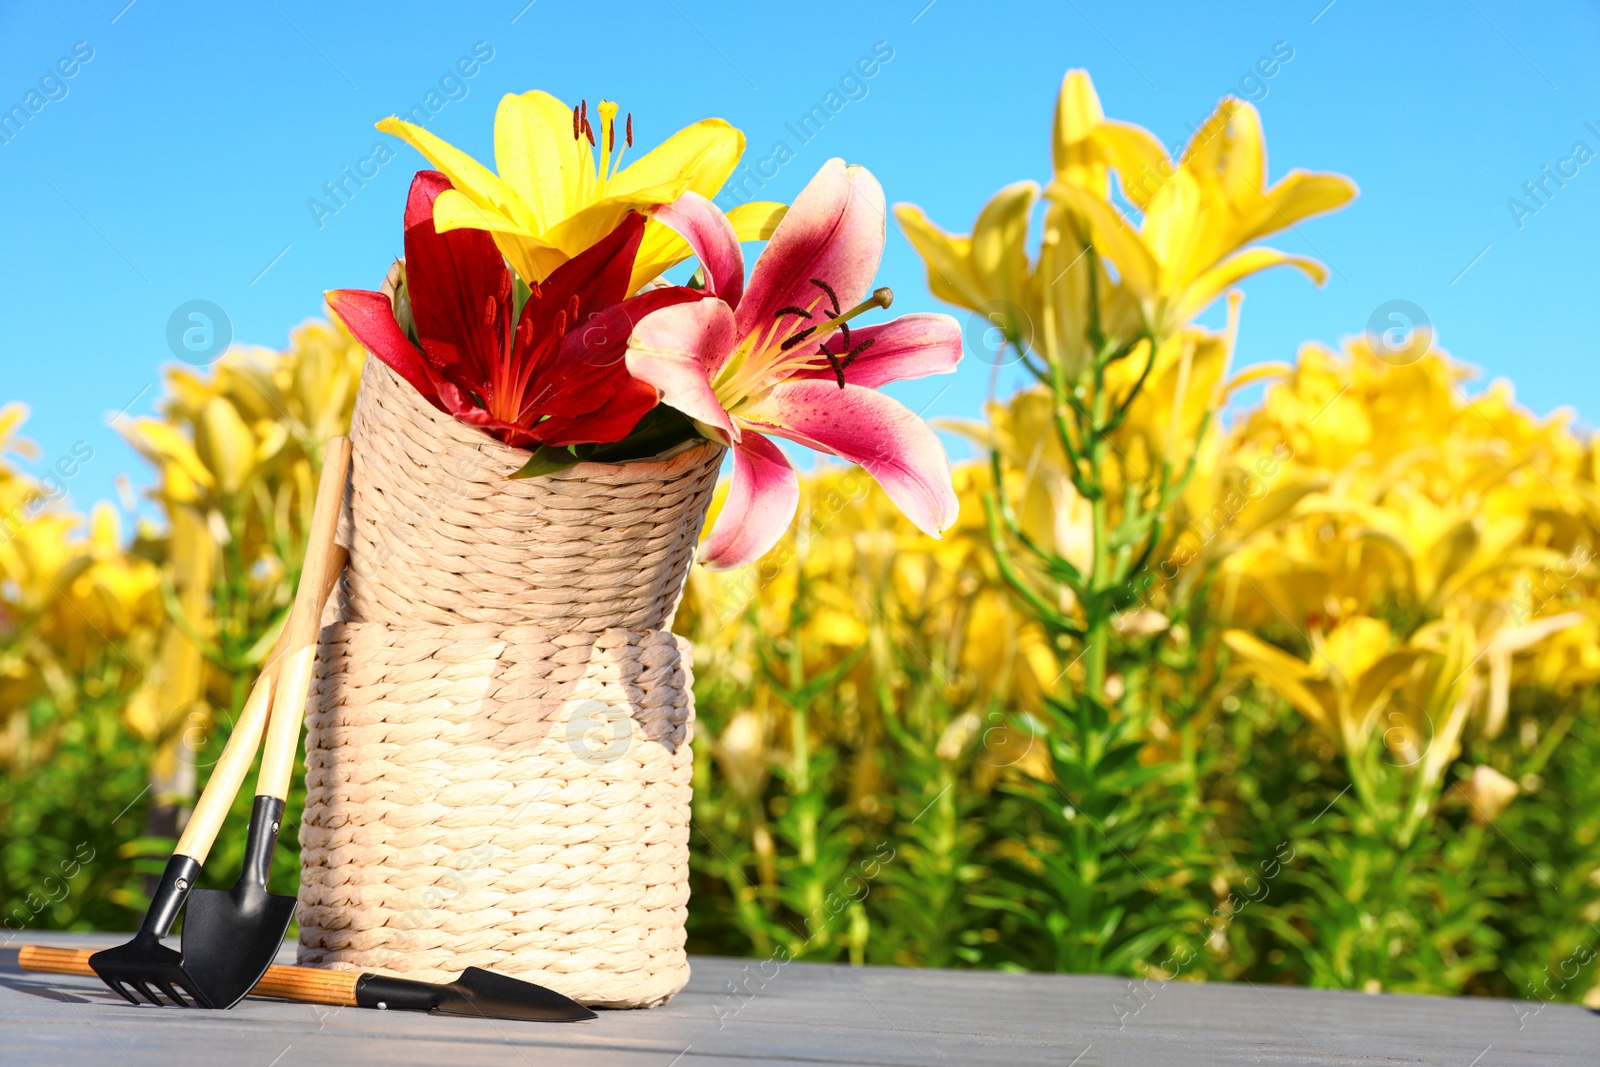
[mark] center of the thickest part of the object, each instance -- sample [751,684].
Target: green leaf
[546,460]
[660,429]
[401,301]
[257,652]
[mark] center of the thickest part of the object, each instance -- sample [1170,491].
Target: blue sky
[177,161]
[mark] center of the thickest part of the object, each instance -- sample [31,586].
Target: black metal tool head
[481,992]
[144,965]
[231,936]
[147,966]
[477,993]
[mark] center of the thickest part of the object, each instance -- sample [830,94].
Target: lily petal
[861,425]
[478,182]
[1298,195]
[698,157]
[580,375]
[452,277]
[1113,236]
[456,401]
[1208,145]
[370,317]
[834,232]
[1138,158]
[165,444]
[712,237]
[1175,225]
[602,339]
[1078,114]
[678,350]
[762,497]
[663,249]
[532,257]
[1284,673]
[536,154]
[912,346]
[1210,285]
[1245,169]
[999,243]
[612,422]
[948,257]
[455,210]
[757,220]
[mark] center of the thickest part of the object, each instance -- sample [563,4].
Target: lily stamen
[608,131]
[610,161]
[833,297]
[880,298]
[840,363]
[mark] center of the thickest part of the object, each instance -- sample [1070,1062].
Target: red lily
[554,376]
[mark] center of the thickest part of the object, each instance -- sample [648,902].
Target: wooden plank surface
[810,1013]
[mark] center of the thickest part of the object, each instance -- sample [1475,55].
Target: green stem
[1098,622]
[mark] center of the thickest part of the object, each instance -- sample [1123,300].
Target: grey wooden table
[811,1013]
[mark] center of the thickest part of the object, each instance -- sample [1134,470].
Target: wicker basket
[498,762]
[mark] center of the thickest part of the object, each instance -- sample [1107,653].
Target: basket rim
[459,433]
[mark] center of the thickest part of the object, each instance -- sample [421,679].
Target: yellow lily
[552,198]
[1198,213]
[1497,654]
[986,271]
[1350,676]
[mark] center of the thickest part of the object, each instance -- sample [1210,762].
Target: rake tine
[166,987]
[148,995]
[119,990]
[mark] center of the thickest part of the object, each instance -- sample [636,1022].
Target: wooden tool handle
[294,676]
[200,832]
[56,960]
[309,985]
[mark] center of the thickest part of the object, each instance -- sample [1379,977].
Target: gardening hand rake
[231,936]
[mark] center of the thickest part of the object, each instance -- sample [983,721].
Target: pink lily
[779,358]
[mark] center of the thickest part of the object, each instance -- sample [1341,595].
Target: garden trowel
[476,993]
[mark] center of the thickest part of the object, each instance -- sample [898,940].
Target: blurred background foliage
[128,658]
[877,772]
[1301,694]
[1364,686]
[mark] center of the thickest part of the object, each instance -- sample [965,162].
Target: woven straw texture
[491,797]
[440,535]
[497,759]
